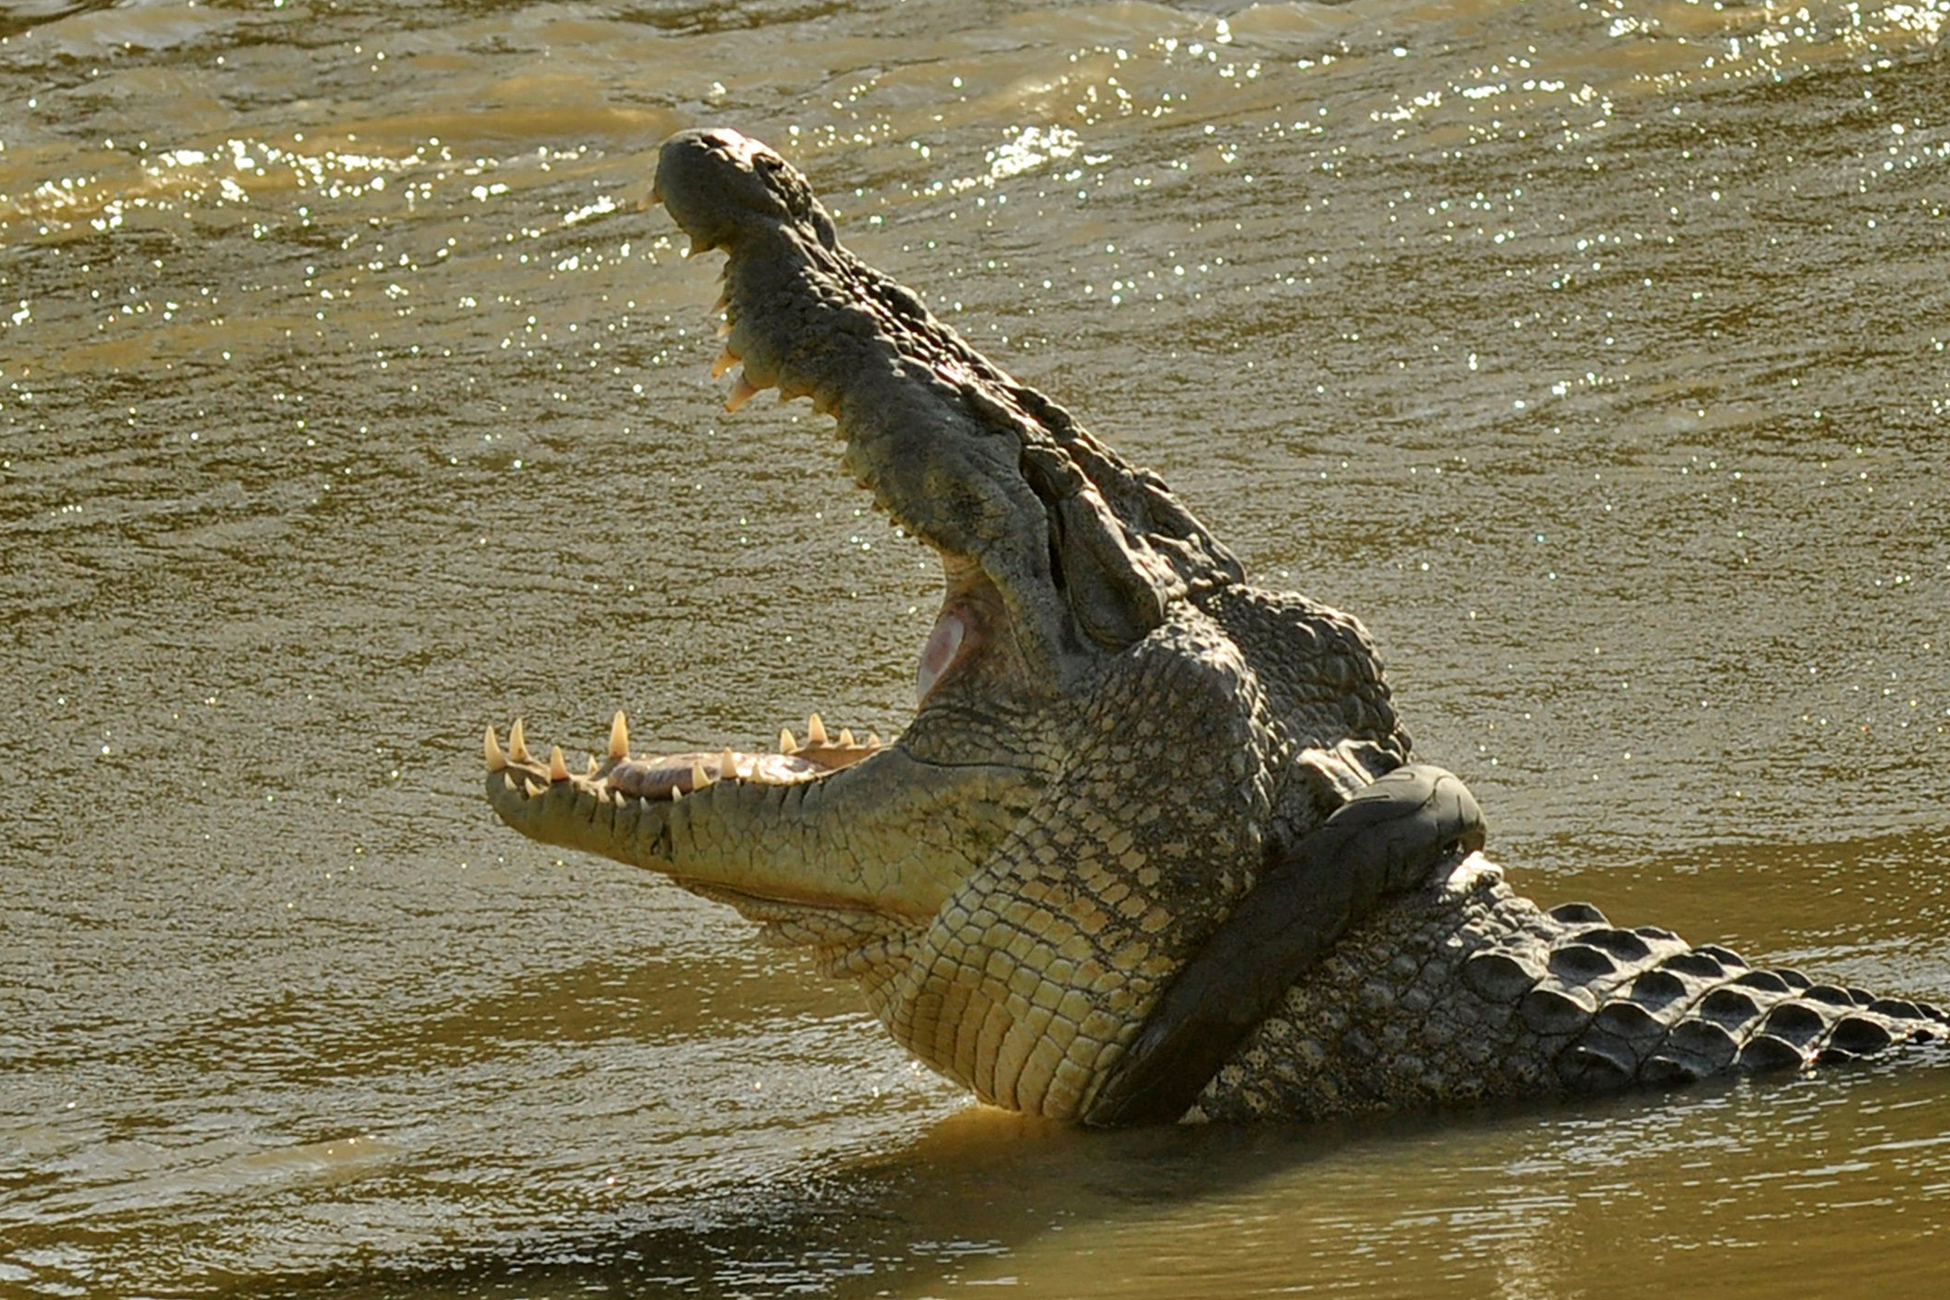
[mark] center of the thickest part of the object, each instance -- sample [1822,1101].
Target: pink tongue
[944,643]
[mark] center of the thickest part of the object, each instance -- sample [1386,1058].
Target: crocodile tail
[1612,1007]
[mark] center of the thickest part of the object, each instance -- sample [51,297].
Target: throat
[971,624]
[944,648]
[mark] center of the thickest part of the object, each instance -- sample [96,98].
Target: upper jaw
[933,430]
[723,187]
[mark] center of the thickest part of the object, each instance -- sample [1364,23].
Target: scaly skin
[1123,754]
[1468,991]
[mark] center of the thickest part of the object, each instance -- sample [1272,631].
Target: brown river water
[352,398]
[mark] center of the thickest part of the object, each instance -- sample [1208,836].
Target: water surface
[351,399]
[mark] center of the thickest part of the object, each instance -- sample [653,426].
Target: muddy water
[351,399]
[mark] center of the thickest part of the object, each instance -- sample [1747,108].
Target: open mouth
[819,752]
[969,607]
[972,605]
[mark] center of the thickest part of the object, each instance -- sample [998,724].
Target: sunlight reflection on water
[351,398]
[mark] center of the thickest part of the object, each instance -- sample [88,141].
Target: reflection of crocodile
[1148,846]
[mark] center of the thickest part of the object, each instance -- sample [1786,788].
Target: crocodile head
[1112,728]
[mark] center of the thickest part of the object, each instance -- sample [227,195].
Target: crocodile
[1151,847]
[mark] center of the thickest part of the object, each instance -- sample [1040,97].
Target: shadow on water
[976,1186]
[1541,1197]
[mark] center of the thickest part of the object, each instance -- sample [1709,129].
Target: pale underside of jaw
[616,805]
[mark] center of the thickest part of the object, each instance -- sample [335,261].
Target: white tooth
[518,744]
[699,777]
[726,360]
[619,737]
[815,731]
[787,744]
[496,760]
[873,740]
[675,794]
[741,392]
[846,739]
[727,765]
[531,787]
[557,769]
[724,328]
[591,770]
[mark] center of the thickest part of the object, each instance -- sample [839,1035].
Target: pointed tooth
[699,777]
[873,740]
[518,744]
[590,771]
[815,731]
[619,737]
[675,794]
[741,392]
[531,787]
[496,760]
[727,765]
[726,360]
[724,301]
[788,744]
[724,328]
[846,739]
[558,769]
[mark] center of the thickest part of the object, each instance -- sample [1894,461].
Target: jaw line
[783,852]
